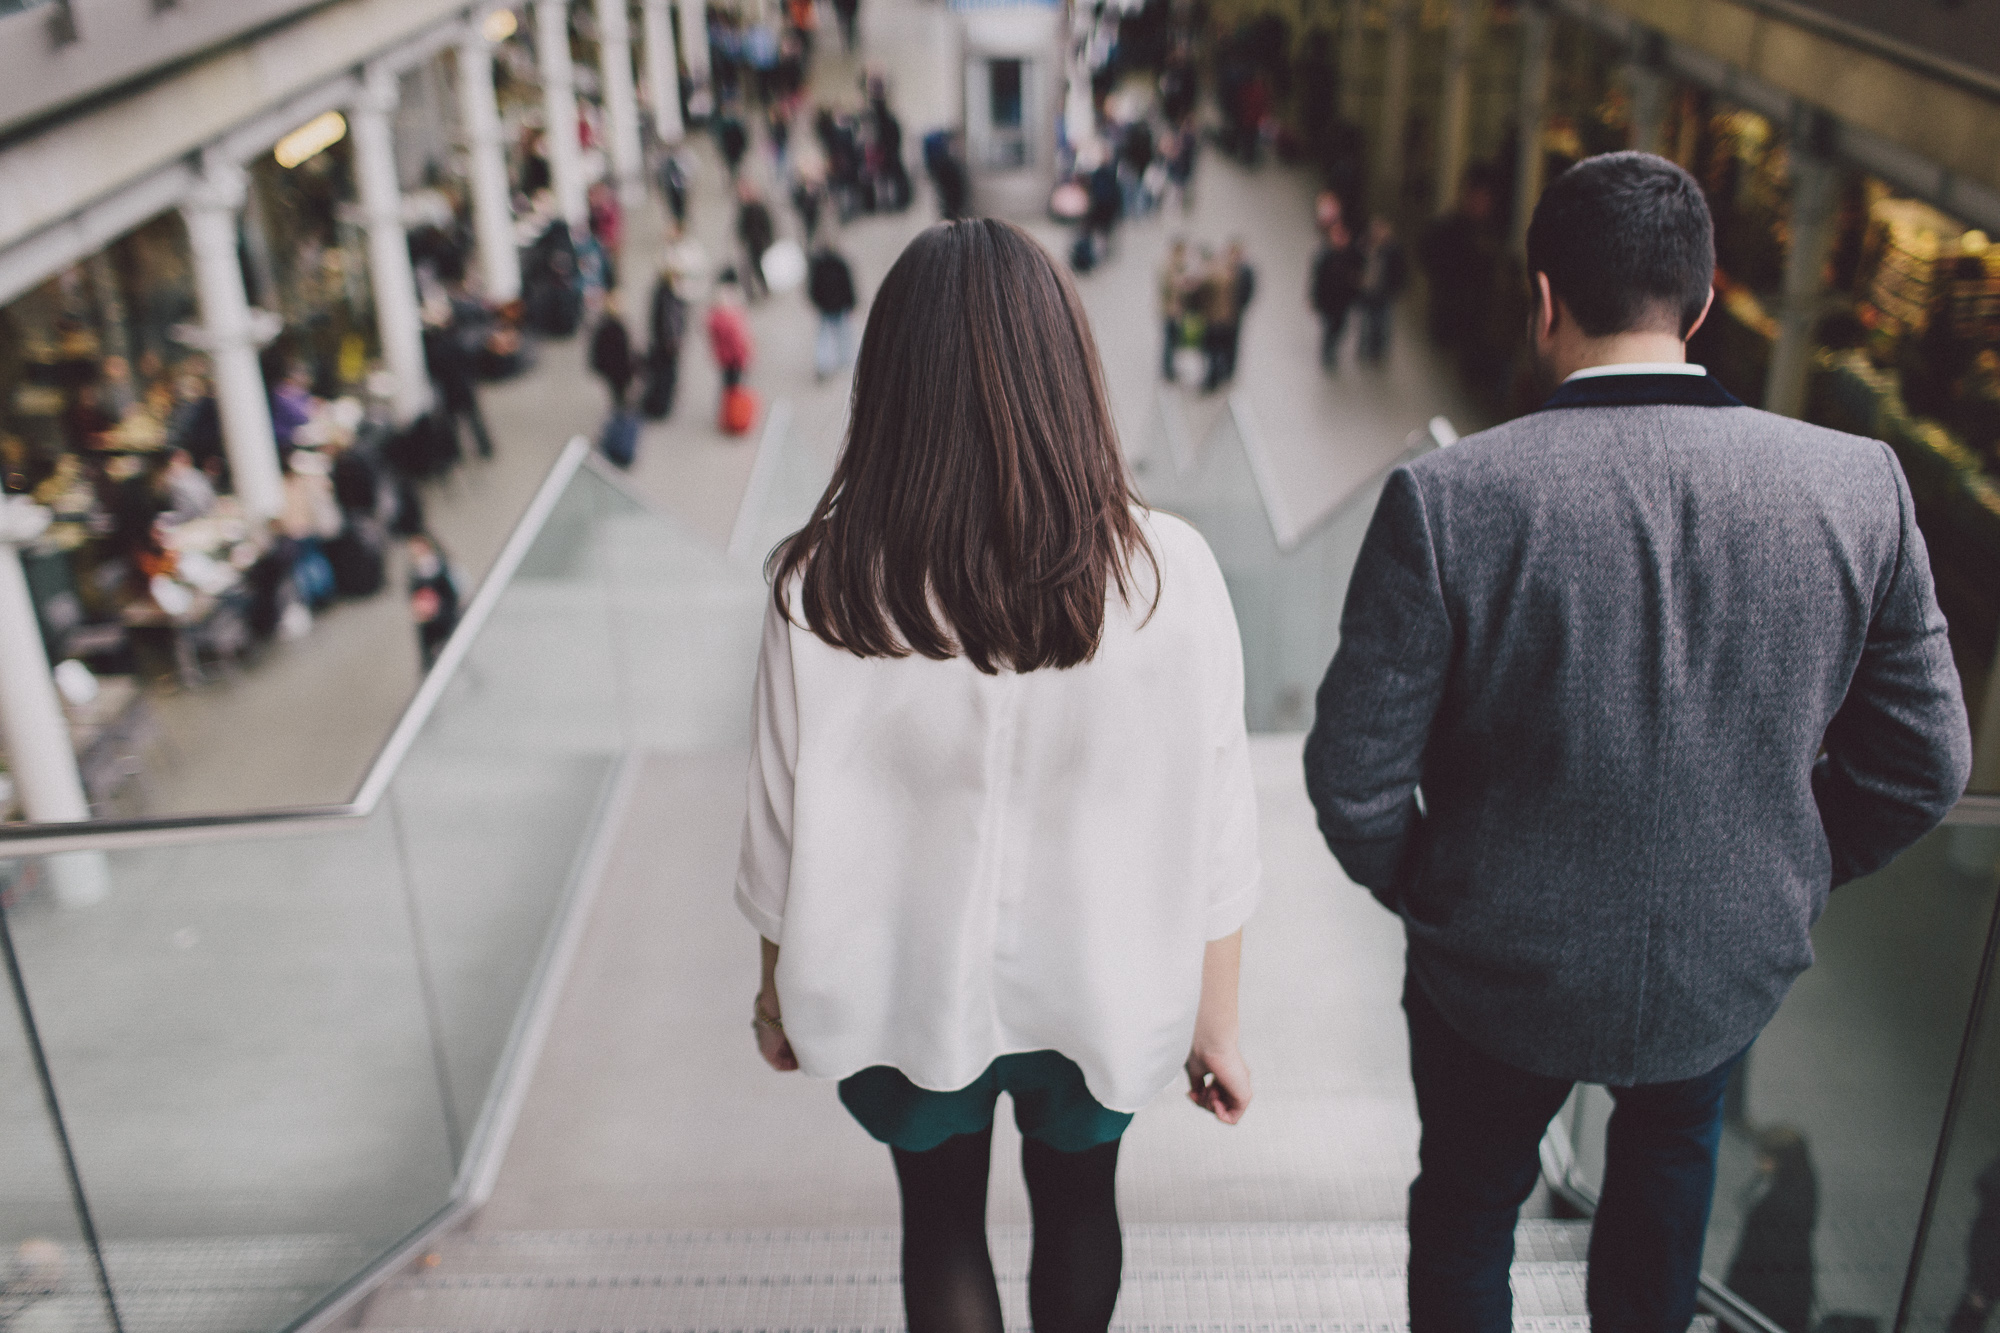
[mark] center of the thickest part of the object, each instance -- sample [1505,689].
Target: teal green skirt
[1051,1105]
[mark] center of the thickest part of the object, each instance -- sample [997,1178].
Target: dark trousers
[1332,323]
[1478,1161]
[467,411]
[1374,329]
[1218,342]
[1170,339]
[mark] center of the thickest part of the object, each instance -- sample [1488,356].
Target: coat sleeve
[1364,756]
[764,866]
[1899,750]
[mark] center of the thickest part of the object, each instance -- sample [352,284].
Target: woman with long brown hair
[1002,833]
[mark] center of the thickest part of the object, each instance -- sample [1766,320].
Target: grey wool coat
[1625,687]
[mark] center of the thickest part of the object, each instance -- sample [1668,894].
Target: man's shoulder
[1527,444]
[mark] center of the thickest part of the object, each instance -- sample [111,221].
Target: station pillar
[39,753]
[663,72]
[559,103]
[621,102]
[1649,86]
[242,399]
[1395,106]
[397,318]
[1531,116]
[693,16]
[492,208]
[1353,57]
[1815,205]
[1455,110]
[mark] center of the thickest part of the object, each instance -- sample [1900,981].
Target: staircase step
[1283,1278]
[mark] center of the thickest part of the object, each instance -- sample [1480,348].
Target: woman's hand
[1219,1081]
[771,1042]
[766,1018]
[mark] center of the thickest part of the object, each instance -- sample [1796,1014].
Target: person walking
[728,331]
[1173,304]
[611,353]
[1242,280]
[449,363]
[732,138]
[830,287]
[1336,276]
[1217,296]
[1385,271]
[958,683]
[755,228]
[667,328]
[849,14]
[1666,670]
[434,600]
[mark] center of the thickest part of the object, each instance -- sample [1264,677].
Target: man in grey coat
[1625,687]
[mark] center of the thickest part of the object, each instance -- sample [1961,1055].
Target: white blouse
[962,866]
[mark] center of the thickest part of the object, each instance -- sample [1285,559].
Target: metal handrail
[43,839]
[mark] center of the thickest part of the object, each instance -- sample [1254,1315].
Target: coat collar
[1641,390]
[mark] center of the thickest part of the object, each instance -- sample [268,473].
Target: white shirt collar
[1639,368]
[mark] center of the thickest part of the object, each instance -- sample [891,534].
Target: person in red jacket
[729,336]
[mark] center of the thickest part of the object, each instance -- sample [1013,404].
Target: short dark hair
[1627,242]
[980,506]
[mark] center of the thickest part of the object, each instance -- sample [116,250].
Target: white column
[1815,202]
[492,209]
[1395,107]
[559,103]
[1455,111]
[621,104]
[38,746]
[397,318]
[1532,116]
[694,40]
[242,399]
[663,72]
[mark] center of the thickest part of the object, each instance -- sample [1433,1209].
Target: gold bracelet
[761,1019]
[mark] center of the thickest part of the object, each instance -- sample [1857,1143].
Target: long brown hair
[980,504]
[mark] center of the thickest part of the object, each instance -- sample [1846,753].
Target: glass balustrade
[272,1053]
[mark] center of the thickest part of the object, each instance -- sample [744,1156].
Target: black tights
[948,1284]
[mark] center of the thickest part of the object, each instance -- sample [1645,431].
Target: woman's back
[1001,834]
[961,864]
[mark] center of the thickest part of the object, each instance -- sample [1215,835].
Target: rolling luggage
[739,410]
[620,440]
[357,560]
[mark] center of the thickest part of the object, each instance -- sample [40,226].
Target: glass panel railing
[1956,1284]
[48,1269]
[273,1053]
[1288,586]
[1836,1119]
